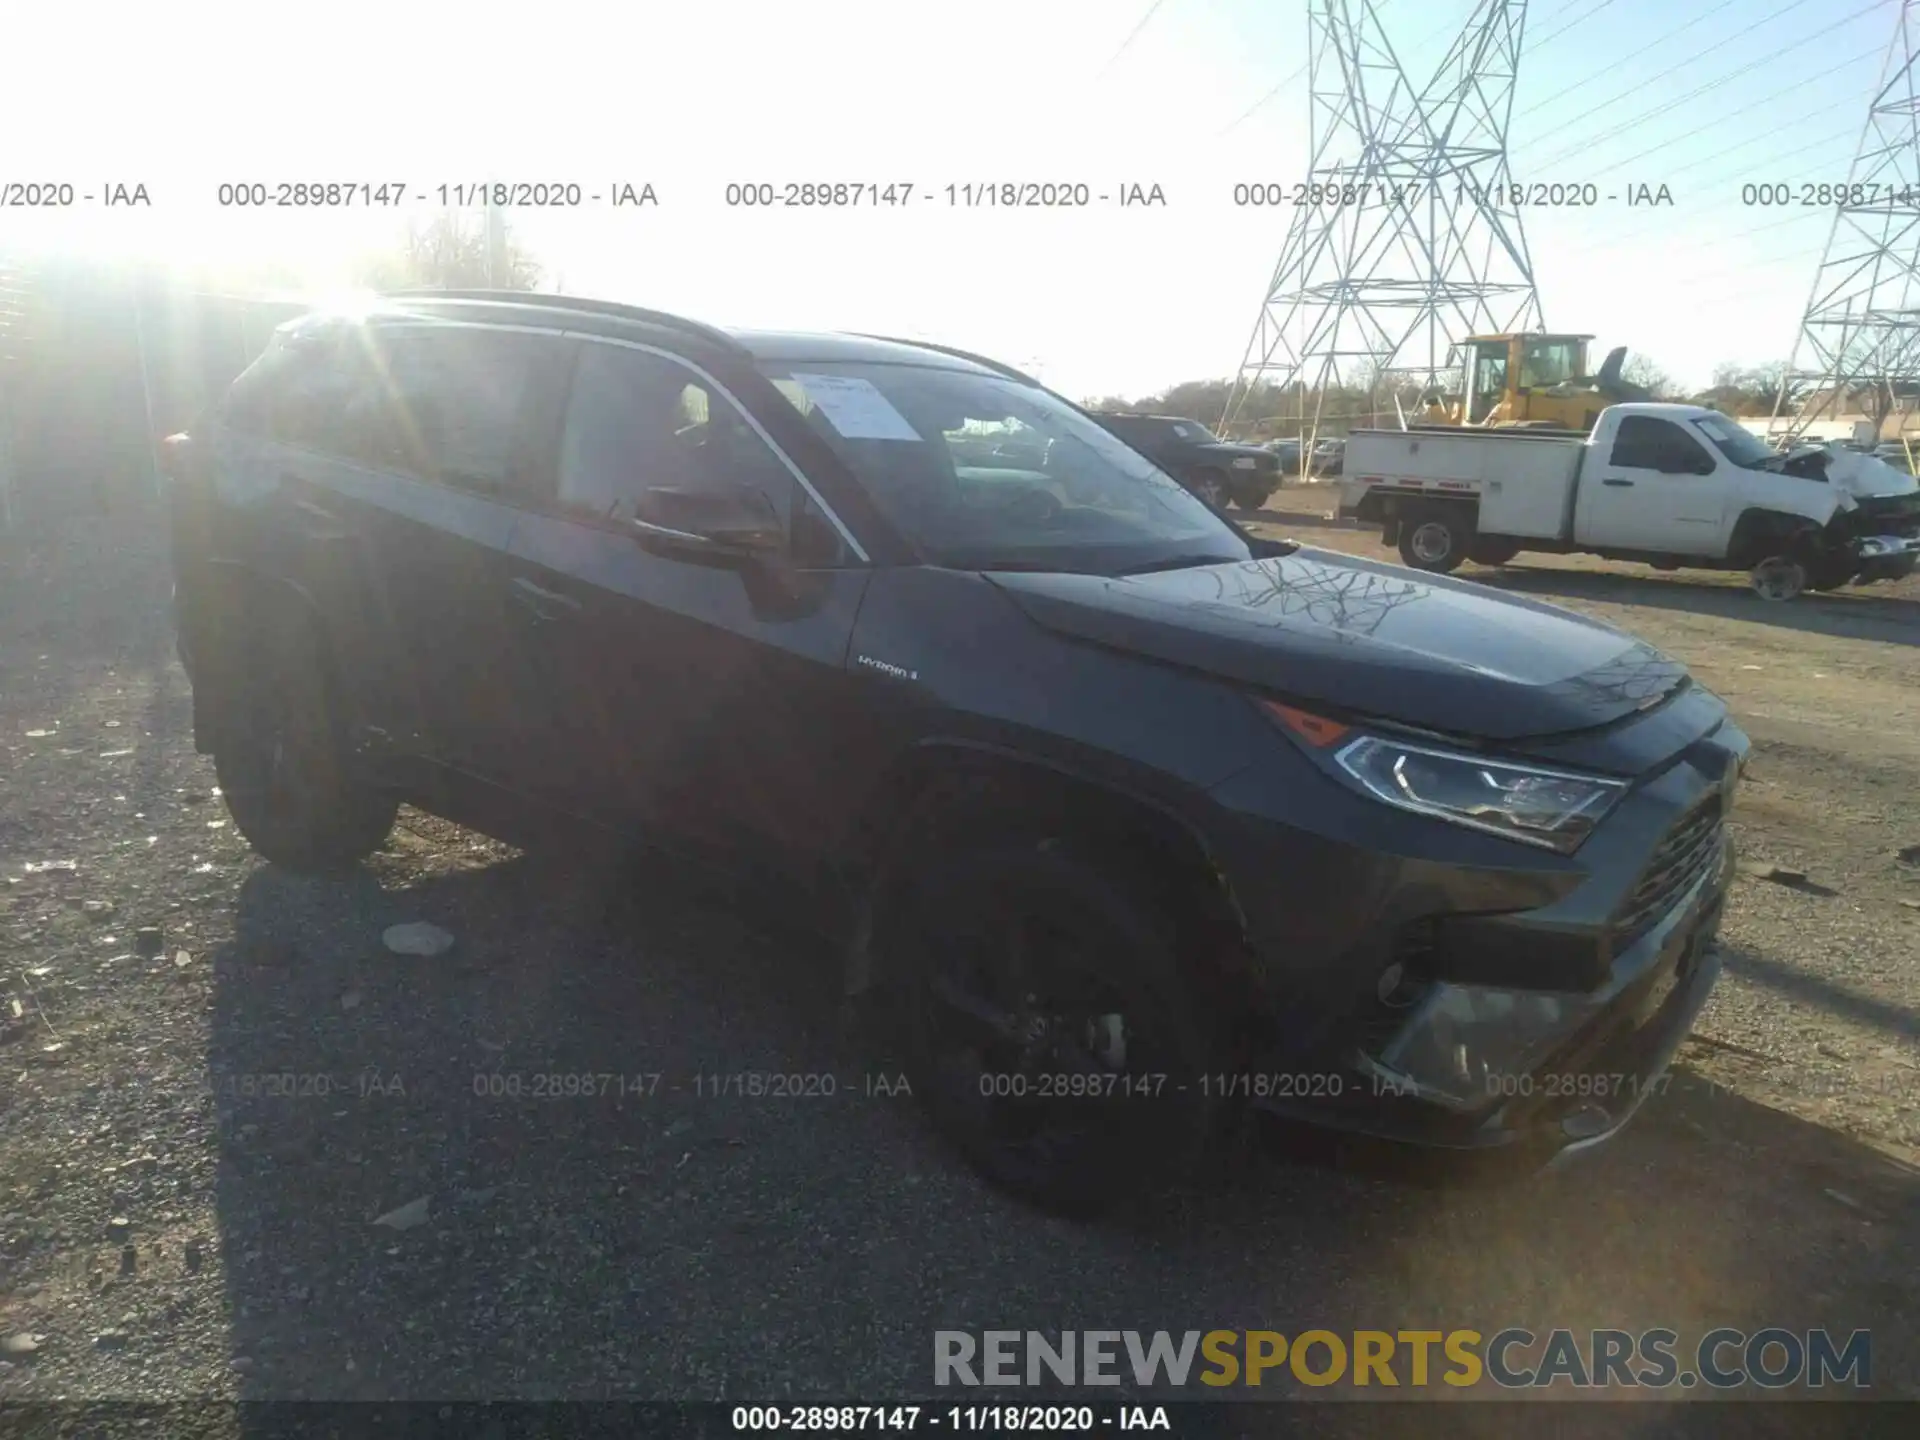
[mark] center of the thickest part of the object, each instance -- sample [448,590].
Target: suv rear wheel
[285,770]
[1048,1032]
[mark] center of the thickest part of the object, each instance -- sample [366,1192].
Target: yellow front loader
[1532,378]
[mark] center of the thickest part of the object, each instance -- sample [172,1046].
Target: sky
[1192,96]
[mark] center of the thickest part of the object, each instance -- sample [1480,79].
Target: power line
[1590,141]
[1449,28]
[1764,100]
[1551,35]
[1827,139]
[1531,45]
[1642,83]
[1562,94]
[1262,102]
[1726,150]
[1132,35]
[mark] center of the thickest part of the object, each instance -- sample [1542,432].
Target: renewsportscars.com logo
[1513,1358]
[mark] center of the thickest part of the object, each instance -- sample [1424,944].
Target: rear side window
[455,405]
[297,393]
[445,404]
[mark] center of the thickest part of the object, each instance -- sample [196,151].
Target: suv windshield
[1194,431]
[1736,442]
[987,473]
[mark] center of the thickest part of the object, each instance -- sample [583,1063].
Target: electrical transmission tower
[1418,242]
[1859,341]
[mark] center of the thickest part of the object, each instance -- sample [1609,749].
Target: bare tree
[448,253]
[1644,372]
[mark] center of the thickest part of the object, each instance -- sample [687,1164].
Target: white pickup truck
[1667,485]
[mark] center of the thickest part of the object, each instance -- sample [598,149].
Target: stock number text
[1856,193]
[311,194]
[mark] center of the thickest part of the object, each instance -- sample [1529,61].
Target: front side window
[1646,442]
[1549,362]
[1062,493]
[637,421]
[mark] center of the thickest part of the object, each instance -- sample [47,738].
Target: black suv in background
[1126,820]
[1218,471]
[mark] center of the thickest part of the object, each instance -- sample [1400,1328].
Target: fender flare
[902,801]
[1759,532]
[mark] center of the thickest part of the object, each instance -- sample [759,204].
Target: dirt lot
[173,1225]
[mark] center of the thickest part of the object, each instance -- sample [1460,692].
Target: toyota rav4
[1126,819]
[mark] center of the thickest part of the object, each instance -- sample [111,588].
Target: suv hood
[1366,639]
[1228,450]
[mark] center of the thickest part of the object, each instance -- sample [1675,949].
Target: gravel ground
[196,1145]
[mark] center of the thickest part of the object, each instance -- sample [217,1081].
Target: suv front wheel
[285,771]
[1048,1031]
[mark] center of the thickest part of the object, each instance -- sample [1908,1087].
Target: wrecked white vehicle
[1667,485]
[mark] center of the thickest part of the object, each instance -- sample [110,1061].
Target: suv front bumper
[1608,1057]
[1445,992]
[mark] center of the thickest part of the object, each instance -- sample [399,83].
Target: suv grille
[1689,848]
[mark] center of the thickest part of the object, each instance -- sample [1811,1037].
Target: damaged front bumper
[1545,1075]
[1886,557]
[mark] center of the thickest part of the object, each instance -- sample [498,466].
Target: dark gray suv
[1123,819]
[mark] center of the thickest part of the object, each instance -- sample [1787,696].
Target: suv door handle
[543,604]
[1615,480]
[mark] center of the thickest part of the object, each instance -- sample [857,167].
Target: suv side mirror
[734,524]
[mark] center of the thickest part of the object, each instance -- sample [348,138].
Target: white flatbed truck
[1665,485]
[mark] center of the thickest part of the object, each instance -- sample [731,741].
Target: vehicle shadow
[605,1219]
[1853,615]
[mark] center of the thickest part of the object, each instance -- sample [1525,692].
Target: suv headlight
[1553,808]
[1534,804]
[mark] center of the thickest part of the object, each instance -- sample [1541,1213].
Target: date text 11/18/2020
[1313,1085]
[1559,195]
[1060,1419]
[705,1085]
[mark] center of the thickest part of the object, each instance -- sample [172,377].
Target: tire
[1486,551]
[980,933]
[1436,539]
[1779,578]
[1211,486]
[1251,502]
[285,771]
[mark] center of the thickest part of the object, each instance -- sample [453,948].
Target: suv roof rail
[614,309]
[958,354]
